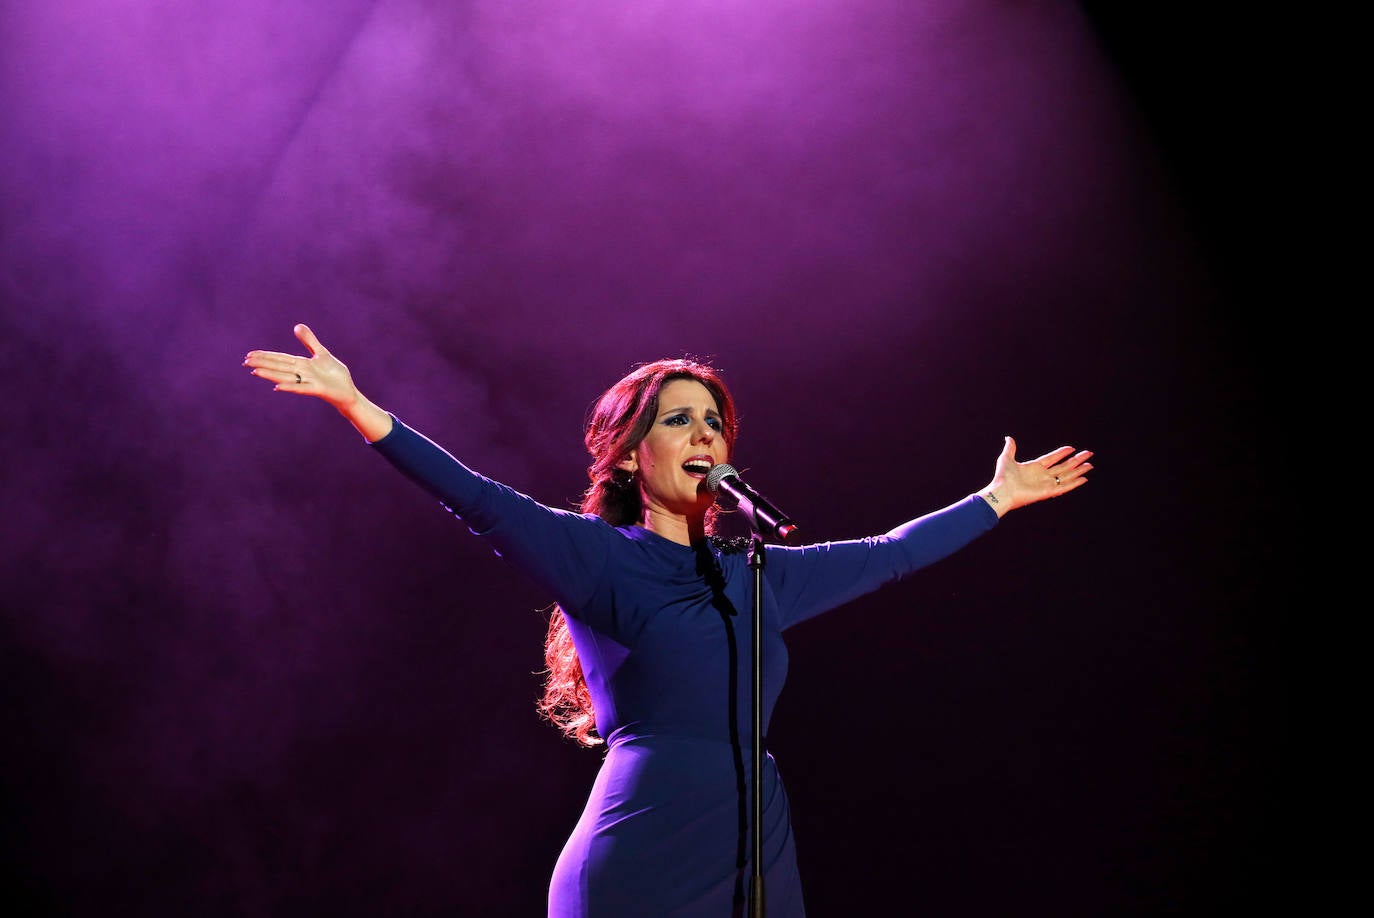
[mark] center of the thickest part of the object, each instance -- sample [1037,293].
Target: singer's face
[684,442]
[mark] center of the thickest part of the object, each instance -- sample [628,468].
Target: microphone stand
[756,561]
[761,515]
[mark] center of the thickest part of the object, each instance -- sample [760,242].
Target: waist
[640,735]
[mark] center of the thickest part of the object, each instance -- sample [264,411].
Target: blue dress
[665,638]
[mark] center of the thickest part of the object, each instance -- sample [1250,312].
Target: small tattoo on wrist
[993,497]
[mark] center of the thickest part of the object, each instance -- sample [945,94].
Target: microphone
[763,516]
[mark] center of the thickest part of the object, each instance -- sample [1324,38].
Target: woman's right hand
[323,376]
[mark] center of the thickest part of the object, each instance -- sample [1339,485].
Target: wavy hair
[619,420]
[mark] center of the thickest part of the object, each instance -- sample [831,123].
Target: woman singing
[649,651]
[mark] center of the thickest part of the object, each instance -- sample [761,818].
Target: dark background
[251,671]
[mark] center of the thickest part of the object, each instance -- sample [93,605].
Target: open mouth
[697,468]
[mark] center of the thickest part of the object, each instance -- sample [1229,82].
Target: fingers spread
[1077,460]
[1054,456]
[307,337]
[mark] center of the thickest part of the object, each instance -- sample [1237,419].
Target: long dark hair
[621,418]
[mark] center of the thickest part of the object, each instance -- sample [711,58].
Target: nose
[703,433]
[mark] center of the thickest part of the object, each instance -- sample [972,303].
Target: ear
[629,464]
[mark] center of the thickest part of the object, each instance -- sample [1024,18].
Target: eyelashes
[678,420]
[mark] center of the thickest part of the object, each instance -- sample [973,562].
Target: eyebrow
[687,408]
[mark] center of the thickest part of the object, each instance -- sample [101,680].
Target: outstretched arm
[323,376]
[1016,484]
[564,552]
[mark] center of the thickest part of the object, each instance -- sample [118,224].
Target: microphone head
[719,471]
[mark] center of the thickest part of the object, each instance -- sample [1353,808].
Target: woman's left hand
[1016,484]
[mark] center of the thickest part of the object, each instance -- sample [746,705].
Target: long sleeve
[564,552]
[815,578]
